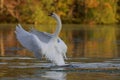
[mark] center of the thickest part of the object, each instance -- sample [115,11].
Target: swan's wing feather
[28,41]
[43,36]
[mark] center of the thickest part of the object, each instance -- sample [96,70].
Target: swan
[44,44]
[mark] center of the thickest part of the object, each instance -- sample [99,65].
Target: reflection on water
[82,40]
[26,68]
[84,43]
[55,75]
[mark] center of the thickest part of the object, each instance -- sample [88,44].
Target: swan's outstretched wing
[29,41]
[46,37]
[43,36]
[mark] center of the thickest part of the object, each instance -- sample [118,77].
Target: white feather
[41,43]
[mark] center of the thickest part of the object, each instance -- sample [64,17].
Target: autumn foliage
[71,11]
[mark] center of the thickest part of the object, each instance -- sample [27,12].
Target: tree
[71,11]
[118,11]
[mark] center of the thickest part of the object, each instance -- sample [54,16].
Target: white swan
[42,43]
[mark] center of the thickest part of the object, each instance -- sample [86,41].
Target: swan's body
[42,43]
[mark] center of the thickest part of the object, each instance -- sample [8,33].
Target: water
[27,68]
[93,54]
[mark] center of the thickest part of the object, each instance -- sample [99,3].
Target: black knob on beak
[50,14]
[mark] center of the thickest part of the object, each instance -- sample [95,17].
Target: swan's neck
[59,26]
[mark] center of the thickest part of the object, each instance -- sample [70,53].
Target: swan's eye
[58,40]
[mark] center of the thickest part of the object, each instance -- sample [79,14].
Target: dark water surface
[93,54]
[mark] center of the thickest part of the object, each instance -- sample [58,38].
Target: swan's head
[54,15]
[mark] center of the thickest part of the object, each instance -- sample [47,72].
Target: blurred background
[71,11]
[90,27]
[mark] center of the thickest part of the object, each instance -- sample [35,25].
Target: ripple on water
[26,62]
[12,58]
[3,63]
[72,65]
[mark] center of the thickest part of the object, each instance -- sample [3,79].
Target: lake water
[93,54]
